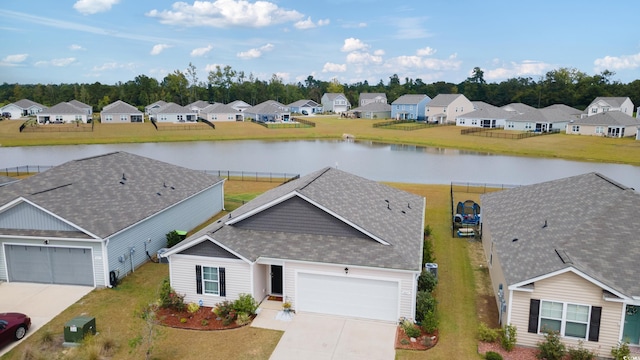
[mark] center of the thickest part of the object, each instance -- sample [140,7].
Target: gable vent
[564,256]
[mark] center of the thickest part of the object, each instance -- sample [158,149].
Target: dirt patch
[518,353]
[203,319]
[486,306]
[424,342]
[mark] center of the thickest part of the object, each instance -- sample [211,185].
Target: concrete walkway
[41,302]
[325,337]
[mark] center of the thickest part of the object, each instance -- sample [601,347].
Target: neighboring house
[486,116]
[550,119]
[329,242]
[89,220]
[374,110]
[563,256]
[197,106]
[120,112]
[610,124]
[368,98]
[221,112]
[239,105]
[64,112]
[80,105]
[410,107]
[172,112]
[444,108]
[268,111]
[305,107]
[20,108]
[151,109]
[604,104]
[335,102]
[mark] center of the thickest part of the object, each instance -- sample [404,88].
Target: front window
[108,118]
[567,319]
[575,128]
[210,280]
[599,129]
[528,125]
[179,117]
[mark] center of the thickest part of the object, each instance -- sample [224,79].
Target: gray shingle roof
[409,99]
[79,104]
[26,103]
[589,217]
[365,96]
[518,108]
[443,99]
[612,101]
[219,108]
[120,107]
[304,102]
[358,201]
[268,107]
[609,118]
[332,96]
[63,108]
[543,115]
[199,104]
[173,108]
[488,111]
[88,192]
[373,107]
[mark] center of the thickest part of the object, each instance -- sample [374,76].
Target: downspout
[509,309]
[105,262]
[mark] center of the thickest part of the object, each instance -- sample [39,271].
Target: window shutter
[223,282]
[594,325]
[198,279]
[534,311]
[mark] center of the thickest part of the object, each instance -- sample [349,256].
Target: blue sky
[84,41]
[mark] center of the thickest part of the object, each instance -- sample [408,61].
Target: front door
[276,279]
[631,330]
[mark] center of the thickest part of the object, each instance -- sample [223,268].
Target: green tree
[175,85]
[335,86]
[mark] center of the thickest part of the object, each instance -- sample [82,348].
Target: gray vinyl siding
[96,248]
[208,248]
[26,216]
[296,215]
[150,234]
[183,277]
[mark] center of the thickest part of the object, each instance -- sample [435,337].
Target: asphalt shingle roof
[173,108]
[358,201]
[612,101]
[26,103]
[443,99]
[588,217]
[90,192]
[409,99]
[64,108]
[373,107]
[609,118]
[120,107]
[268,107]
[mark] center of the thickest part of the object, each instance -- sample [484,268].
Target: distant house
[120,112]
[197,106]
[80,105]
[610,124]
[373,110]
[562,256]
[20,108]
[268,111]
[239,105]
[444,108]
[151,109]
[485,116]
[604,104]
[368,98]
[172,112]
[64,112]
[305,107]
[410,107]
[221,112]
[549,119]
[335,102]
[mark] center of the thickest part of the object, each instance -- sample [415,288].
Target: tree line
[224,84]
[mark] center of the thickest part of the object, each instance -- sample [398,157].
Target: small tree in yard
[173,238]
[427,281]
[150,332]
[551,348]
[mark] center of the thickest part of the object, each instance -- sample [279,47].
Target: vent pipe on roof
[124,178]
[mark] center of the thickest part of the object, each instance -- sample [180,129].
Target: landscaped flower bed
[424,341]
[202,319]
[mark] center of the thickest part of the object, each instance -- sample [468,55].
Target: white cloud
[353,44]
[623,62]
[158,48]
[427,51]
[514,69]
[379,52]
[201,51]
[411,28]
[363,58]
[331,67]
[225,13]
[417,62]
[57,62]
[284,76]
[212,67]
[309,24]
[15,59]
[88,7]
[256,52]
[76,47]
[113,66]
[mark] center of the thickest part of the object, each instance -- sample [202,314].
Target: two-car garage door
[49,265]
[347,296]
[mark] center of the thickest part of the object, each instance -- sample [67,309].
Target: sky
[110,41]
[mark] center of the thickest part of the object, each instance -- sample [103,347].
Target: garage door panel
[28,263]
[348,296]
[71,266]
[49,265]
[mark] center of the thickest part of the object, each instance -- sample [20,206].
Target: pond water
[376,161]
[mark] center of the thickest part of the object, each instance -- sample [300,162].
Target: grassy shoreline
[562,146]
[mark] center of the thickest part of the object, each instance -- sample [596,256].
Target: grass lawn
[574,147]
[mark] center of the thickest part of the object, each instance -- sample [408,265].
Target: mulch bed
[203,319]
[404,342]
[518,353]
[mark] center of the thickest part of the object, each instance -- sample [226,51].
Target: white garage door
[49,265]
[347,296]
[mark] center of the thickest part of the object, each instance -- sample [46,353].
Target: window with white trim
[108,118]
[570,320]
[210,280]
[179,117]
[575,128]
[599,129]
[461,121]
[474,122]
[124,117]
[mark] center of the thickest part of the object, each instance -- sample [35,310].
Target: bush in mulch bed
[409,336]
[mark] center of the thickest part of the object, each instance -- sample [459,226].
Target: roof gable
[410,99]
[208,248]
[64,108]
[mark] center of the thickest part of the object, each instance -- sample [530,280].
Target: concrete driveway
[324,337]
[41,302]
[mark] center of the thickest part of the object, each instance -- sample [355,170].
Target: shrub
[487,334]
[622,351]
[405,342]
[204,322]
[193,307]
[183,320]
[425,303]
[580,353]
[509,337]
[243,318]
[245,304]
[427,281]
[430,322]
[412,331]
[173,238]
[551,348]
[169,298]
[492,355]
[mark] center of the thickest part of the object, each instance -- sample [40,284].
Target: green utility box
[77,328]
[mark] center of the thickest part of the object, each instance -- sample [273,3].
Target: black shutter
[534,311]
[198,279]
[594,325]
[223,282]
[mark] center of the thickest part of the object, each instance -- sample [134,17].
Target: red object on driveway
[13,326]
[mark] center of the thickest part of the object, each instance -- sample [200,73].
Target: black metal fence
[253,176]
[176,127]
[295,124]
[489,132]
[24,170]
[406,125]
[479,188]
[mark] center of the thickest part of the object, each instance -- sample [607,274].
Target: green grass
[573,147]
